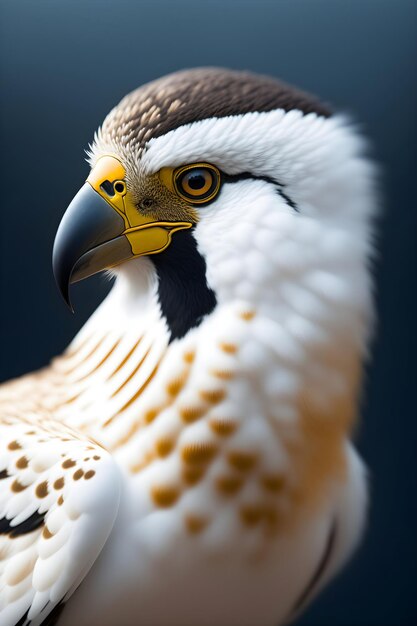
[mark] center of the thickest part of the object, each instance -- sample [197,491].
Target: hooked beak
[102,228]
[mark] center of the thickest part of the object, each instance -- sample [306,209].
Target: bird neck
[183,293]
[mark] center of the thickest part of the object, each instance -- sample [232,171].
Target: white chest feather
[211,475]
[232,462]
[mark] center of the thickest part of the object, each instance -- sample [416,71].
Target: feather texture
[59,496]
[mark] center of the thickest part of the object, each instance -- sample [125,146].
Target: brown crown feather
[188,96]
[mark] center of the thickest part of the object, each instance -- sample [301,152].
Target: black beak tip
[64,291]
[63,280]
[67,301]
[88,223]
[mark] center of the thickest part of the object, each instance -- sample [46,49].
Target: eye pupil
[119,187]
[196,181]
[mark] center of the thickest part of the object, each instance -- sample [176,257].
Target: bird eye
[198,183]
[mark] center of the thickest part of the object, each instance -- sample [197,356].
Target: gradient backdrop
[65,63]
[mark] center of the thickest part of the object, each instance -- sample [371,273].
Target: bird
[189,460]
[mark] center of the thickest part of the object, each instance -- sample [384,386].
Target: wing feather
[59,495]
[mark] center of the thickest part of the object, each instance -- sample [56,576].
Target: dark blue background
[64,64]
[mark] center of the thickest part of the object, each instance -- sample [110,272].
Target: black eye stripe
[234,178]
[222,177]
[288,200]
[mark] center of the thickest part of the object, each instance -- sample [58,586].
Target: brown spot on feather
[229,485]
[17,486]
[14,445]
[195,523]
[199,452]
[175,386]
[273,482]
[192,475]
[229,348]
[68,463]
[242,461]
[41,490]
[247,316]
[46,533]
[223,374]
[164,496]
[223,427]
[191,414]
[189,356]
[164,447]
[213,396]
[150,415]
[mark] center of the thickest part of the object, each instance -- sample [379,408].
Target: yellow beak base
[102,228]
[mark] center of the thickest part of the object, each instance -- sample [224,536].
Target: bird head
[230,183]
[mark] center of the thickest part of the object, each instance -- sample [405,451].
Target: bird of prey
[188,460]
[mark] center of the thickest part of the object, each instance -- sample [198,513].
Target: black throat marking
[183,293]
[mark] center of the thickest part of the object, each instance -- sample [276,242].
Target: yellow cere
[145,234]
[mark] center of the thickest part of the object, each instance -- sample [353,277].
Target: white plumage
[227,492]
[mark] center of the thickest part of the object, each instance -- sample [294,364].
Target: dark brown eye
[199,183]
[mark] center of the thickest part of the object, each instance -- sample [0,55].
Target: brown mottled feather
[188,96]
